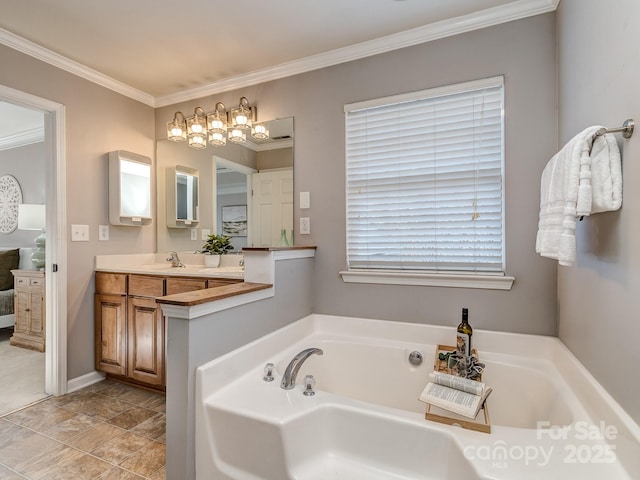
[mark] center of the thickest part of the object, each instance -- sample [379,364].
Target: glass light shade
[217,139]
[237,135]
[216,124]
[198,140]
[196,125]
[242,115]
[177,128]
[240,118]
[260,131]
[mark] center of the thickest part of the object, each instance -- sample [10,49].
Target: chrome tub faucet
[289,377]
[175,260]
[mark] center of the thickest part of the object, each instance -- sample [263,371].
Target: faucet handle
[268,372]
[309,383]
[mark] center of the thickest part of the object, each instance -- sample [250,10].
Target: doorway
[55,263]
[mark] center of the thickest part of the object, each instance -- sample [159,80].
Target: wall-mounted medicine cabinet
[129,189]
[182,197]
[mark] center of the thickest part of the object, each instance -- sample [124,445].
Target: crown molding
[20,139]
[486,18]
[27,47]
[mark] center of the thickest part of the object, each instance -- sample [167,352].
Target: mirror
[225,179]
[182,197]
[129,189]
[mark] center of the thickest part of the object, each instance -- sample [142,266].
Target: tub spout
[289,377]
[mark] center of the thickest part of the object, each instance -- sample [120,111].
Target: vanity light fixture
[218,126]
[177,128]
[197,129]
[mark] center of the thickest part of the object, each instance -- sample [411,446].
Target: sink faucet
[289,377]
[175,260]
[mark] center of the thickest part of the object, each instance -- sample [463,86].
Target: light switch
[305,226]
[103,232]
[79,233]
[305,200]
[205,233]
[194,234]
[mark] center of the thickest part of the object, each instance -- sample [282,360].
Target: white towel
[606,175]
[576,184]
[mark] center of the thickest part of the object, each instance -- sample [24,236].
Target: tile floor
[107,431]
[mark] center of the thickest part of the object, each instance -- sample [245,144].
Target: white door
[272,207]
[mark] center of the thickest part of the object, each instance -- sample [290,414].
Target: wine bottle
[463,340]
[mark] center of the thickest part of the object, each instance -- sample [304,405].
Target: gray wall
[599,79]
[97,121]
[27,165]
[525,52]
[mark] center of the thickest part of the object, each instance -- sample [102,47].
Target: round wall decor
[10,198]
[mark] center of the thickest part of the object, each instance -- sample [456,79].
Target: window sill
[487,282]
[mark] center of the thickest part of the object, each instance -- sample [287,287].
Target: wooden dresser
[29,309]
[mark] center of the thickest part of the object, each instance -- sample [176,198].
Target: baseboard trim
[84,381]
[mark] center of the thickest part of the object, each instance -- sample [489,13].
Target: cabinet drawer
[143,286]
[111,283]
[26,282]
[181,285]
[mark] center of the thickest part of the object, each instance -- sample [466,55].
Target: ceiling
[162,52]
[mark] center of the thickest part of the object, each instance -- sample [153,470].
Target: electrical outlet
[205,233]
[194,234]
[103,232]
[79,233]
[305,226]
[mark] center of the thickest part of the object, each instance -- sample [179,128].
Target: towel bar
[626,129]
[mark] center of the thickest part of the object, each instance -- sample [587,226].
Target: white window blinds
[425,180]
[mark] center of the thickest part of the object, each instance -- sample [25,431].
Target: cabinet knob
[27,309]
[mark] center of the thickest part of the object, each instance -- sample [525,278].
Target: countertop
[167,270]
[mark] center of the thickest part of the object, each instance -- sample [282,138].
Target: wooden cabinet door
[145,341]
[110,333]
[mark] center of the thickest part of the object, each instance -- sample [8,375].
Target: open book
[455,394]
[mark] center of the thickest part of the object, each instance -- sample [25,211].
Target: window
[425,182]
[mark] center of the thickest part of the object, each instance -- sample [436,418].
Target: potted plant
[215,246]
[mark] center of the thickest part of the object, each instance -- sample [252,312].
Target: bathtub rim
[600,405]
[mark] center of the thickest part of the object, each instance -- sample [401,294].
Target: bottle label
[463,344]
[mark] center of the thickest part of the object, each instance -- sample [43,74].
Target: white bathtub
[549,417]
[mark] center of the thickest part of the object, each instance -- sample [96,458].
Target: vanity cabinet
[29,308]
[130,330]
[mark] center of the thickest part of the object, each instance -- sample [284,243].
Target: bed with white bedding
[6,296]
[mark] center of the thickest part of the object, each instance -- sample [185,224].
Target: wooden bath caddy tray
[480,424]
